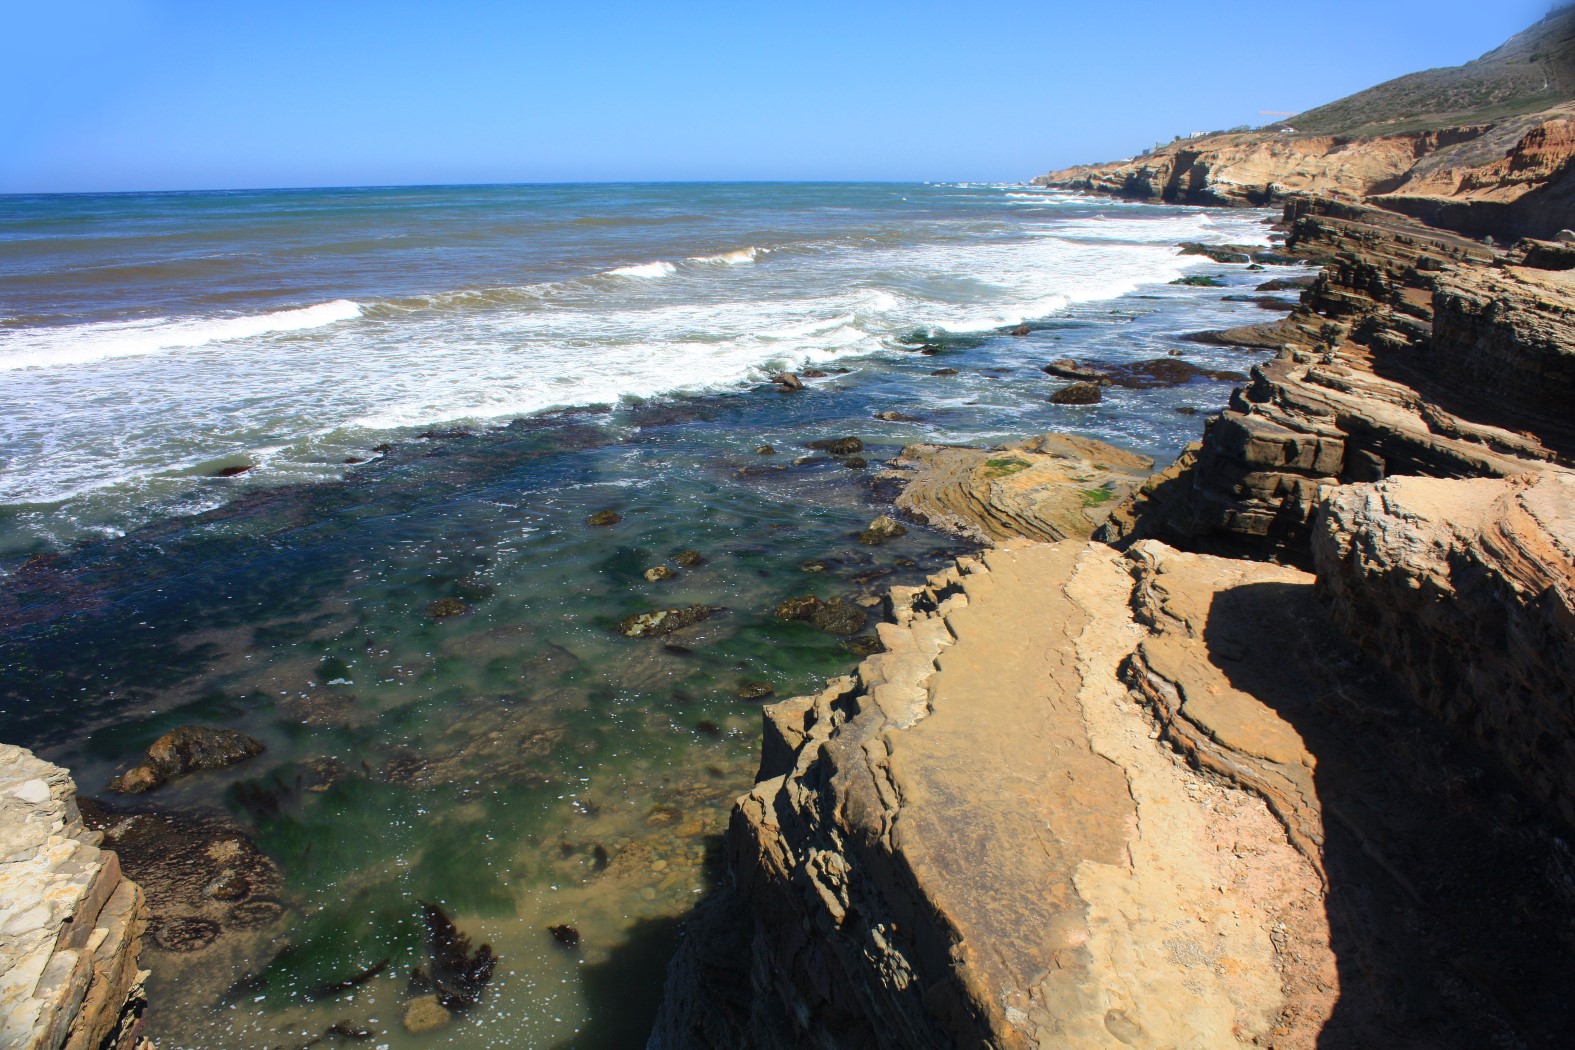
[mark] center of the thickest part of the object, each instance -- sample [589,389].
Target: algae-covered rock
[659,622]
[880,530]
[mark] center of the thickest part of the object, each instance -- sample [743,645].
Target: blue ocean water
[430,390]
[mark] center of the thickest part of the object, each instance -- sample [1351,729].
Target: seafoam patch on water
[107,406]
[86,343]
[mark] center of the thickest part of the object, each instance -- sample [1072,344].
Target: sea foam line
[100,341]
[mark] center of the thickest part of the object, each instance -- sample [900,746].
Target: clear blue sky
[170,94]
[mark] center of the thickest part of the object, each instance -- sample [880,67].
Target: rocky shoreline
[1116,793]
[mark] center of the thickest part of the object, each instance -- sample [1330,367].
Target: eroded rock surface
[70,925]
[1093,800]
[1414,353]
[1466,590]
[1055,486]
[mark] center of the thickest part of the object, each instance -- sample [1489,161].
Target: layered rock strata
[1051,487]
[1088,800]
[1414,353]
[1510,178]
[1466,591]
[72,925]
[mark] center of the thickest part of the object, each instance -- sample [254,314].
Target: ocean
[251,440]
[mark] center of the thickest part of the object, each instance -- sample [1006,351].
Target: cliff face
[72,924]
[1511,178]
[1408,356]
[1466,591]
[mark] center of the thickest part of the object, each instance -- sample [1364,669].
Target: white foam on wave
[733,258]
[100,341]
[659,268]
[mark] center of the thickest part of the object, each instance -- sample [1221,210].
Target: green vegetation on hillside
[1533,70]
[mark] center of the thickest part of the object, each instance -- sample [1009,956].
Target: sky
[169,94]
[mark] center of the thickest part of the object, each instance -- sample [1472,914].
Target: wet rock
[229,886]
[753,689]
[1066,368]
[843,446]
[1020,330]
[1199,281]
[445,435]
[658,573]
[1167,371]
[444,608]
[353,460]
[708,728]
[836,616]
[564,934]
[1262,302]
[813,373]
[855,463]
[788,381]
[1077,394]
[1287,284]
[137,780]
[383,449]
[1220,253]
[880,530]
[689,558]
[425,1014]
[187,749]
[183,933]
[660,622]
[944,372]
[765,450]
[232,471]
[604,518]
[864,645]
[896,417]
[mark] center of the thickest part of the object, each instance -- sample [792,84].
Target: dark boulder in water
[855,463]
[753,689]
[882,529]
[1199,281]
[836,616]
[813,373]
[1077,394]
[1166,371]
[765,450]
[944,372]
[896,417]
[689,559]
[444,608]
[843,446]
[788,381]
[187,749]
[458,975]
[564,934]
[233,471]
[659,622]
[1020,330]
[604,517]
[1066,368]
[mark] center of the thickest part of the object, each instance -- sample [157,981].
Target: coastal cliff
[1483,149]
[72,924]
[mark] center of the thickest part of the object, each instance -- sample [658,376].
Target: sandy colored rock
[1055,486]
[1465,589]
[425,1014]
[71,926]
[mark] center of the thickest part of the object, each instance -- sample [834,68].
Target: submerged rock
[187,749]
[1077,394]
[753,689]
[836,616]
[882,529]
[896,417]
[659,622]
[1066,368]
[689,558]
[1199,281]
[765,450]
[658,573]
[564,934]
[944,372]
[604,517]
[425,1014]
[843,446]
[443,608]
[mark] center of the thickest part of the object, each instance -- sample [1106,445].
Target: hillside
[1487,148]
[1532,71]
